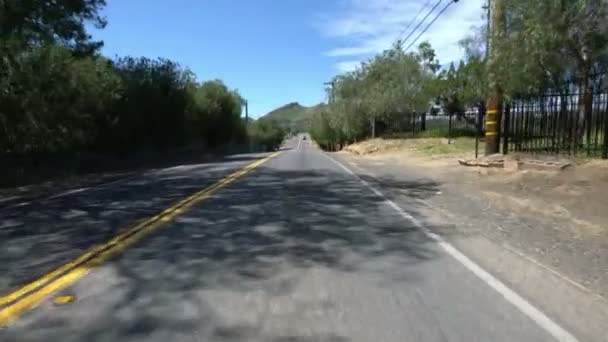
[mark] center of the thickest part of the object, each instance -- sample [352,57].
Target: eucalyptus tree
[551,41]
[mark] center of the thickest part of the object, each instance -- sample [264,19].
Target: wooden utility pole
[488,8]
[495,100]
[246,112]
[248,141]
[329,88]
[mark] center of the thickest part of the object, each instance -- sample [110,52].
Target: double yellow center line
[32,294]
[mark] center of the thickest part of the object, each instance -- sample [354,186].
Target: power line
[488,8]
[414,20]
[422,21]
[445,8]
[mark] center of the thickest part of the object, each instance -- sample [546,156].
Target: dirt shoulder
[557,218]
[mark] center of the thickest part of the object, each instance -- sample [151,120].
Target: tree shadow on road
[37,238]
[255,242]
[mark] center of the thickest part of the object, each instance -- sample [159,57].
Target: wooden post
[507,124]
[450,128]
[495,101]
[605,147]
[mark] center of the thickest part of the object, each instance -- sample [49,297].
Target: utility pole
[481,110]
[248,141]
[495,100]
[330,88]
[246,112]
[488,8]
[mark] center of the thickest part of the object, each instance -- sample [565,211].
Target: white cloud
[362,28]
[366,47]
[346,66]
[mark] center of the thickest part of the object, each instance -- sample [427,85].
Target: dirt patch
[576,195]
[558,219]
[436,148]
[434,153]
[375,146]
[534,206]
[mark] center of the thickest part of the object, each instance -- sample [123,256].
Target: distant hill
[293,116]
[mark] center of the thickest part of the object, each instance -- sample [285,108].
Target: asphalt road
[296,250]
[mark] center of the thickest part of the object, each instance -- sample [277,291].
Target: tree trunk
[373,124]
[423,122]
[585,106]
[564,131]
[481,112]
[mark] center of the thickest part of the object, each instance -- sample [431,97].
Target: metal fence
[458,124]
[557,121]
[433,125]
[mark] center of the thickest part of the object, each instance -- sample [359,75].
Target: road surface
[297,249]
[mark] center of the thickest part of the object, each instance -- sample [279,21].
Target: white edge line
[95,187]
[559,333]
[125,178]
[69,192]
[9,198]
[513,250]
[299,143]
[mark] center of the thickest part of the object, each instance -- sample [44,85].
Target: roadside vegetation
[548,43]
[59,95]
[266,134]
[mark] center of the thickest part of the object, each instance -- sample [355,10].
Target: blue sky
[274,52]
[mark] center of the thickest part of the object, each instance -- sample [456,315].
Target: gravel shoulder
[556,259]
[558,219]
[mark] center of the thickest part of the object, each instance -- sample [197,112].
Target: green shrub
[266,133]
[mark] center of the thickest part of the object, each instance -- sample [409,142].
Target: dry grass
[576,195]
[435,148]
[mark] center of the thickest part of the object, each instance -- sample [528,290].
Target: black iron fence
[562,121]
[437,125]
[465,124]
[566,120]
[433,125]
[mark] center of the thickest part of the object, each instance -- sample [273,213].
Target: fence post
[481,112]
[477,141]
[373,123]
[450,128]
[423,122]
[605,149]
[506,128]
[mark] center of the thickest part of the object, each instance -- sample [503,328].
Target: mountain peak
[292,116]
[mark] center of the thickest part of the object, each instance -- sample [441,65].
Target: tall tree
[551,40]
[40,22]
